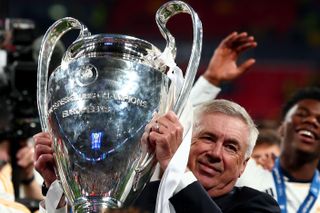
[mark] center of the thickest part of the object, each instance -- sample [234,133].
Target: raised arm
[223,63]
[223,66]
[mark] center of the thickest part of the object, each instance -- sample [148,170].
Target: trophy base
[106,205]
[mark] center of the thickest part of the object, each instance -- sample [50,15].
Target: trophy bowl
[97,103]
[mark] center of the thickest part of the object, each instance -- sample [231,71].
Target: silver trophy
[97,103]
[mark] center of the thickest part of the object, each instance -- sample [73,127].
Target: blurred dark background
[287,32]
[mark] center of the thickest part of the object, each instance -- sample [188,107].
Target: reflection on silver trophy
[97,103]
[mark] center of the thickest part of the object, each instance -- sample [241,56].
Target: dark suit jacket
[194,199]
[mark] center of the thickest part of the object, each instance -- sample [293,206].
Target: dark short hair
[268,137]
[301,94]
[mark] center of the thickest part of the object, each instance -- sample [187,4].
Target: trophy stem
[92,205]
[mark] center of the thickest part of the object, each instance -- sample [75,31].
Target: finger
[244,43]
[156,139]
[156,127]
[171,135]
[42,138]
[161,142]
[242,40]
[250,39]
[172,116]
[42,150]
[145,141]
[245,46]
[148,127]
[246,65]
[42,135]
[146,144]
[241,36]
[173,127]
[229,39]
[153,137]
[164,151]
[168,119]
[163,122]
[238,38]
[45,166]
[43,162]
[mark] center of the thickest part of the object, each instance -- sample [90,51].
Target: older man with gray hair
[222,142]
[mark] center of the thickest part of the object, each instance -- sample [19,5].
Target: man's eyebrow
[307,110]
[302,108]
[204,131]
[233,141]
[255,155]
[207,134]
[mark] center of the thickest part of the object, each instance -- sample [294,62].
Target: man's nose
[215,152]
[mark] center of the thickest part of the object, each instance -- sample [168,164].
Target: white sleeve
[52,199]
[186,180]
[253,175]
[203,91]
[43,210]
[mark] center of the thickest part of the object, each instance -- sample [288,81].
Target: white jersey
[261,179]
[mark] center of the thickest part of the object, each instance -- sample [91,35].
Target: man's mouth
[307,135]
[209,169]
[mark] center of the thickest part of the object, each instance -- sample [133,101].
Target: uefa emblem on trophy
[97,103]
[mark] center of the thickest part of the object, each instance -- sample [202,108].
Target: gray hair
[231,109]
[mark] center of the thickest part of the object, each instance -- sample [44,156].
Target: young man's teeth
[306,133]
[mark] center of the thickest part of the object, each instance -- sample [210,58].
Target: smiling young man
[294,180]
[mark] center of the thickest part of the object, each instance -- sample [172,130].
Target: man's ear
[281,130]
[244,166]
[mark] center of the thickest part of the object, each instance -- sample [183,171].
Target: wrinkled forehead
[216,115]
[232,127]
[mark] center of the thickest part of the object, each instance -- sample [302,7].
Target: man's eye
[231,148]
[301,113]
[255,156]
[208,138]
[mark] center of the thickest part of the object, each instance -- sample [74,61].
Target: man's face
[301,129]
[217,155]
[262,151]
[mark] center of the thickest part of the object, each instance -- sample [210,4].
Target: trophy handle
[164,13]
[53,34]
